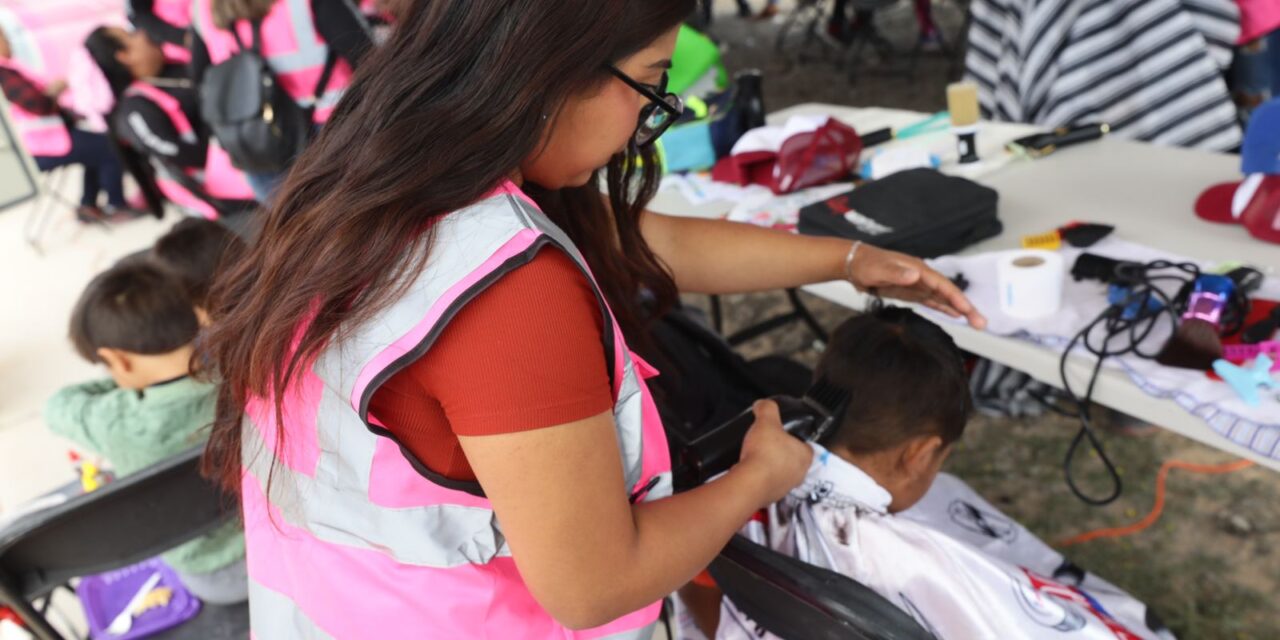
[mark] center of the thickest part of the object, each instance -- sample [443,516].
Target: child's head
[192,252]
[908,398]
[136,320]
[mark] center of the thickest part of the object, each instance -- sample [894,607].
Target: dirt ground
[1209,567]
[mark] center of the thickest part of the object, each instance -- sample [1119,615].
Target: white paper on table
[700,189]
[769,210]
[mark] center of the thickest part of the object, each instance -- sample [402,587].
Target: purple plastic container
[105,595]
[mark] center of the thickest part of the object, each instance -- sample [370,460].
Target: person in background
[298,36]
[166,22]
[138,323]
[770,9]
[841,28]
[1255,70]
[156,113]
[50,135]
[193,252]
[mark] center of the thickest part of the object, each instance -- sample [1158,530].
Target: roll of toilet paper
[1030,283]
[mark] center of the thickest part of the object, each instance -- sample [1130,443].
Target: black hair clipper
[809,418]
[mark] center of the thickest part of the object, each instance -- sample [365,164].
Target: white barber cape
[990,578]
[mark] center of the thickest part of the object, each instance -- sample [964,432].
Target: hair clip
[1246,382]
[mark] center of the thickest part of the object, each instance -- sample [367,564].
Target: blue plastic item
[1247,381]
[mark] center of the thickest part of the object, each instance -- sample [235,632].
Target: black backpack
[252,116]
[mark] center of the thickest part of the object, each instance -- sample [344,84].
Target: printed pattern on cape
[838,520]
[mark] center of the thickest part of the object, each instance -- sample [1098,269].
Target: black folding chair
[123,523]
[798,601]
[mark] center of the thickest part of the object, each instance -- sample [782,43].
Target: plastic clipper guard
[1051,241]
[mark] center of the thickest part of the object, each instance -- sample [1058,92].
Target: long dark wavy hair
[436,118]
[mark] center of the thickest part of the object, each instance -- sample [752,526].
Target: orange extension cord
[1158,508]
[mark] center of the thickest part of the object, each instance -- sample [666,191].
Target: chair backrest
[795,600]
[18,176]
[125,522]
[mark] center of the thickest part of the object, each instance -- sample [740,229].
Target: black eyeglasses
[663,110]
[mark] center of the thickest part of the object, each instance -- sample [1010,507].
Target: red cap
[1261,215]
[1214,204]
[1254,202]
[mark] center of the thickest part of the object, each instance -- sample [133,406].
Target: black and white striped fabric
[1152,69]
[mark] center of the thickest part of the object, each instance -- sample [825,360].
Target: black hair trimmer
[809,418]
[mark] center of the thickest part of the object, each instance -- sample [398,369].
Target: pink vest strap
[167,103]
[220,179]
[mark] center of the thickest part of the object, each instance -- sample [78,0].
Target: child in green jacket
[138,322]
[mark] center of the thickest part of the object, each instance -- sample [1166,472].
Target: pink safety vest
[351,541]
[178,14]
[1258,18]
[292,46]
[220,179]
[44,136]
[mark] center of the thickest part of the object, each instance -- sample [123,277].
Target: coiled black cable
[1142,281]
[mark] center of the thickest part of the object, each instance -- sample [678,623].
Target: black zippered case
[920,212]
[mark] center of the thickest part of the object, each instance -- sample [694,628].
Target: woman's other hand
[896,275]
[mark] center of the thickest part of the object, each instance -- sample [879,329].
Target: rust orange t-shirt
[527,353]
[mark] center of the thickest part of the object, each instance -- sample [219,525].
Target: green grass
[1187,567]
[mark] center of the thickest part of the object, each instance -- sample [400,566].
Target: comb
[1246,352]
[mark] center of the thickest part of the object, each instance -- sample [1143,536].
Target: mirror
[18,183]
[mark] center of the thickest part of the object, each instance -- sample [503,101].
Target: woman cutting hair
[430,408]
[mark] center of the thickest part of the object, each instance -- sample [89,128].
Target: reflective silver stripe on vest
[273,616]
[38,123]
[439,536]
[643,633]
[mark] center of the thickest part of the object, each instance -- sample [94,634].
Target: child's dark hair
[132,307]
[192,252]
[905,376]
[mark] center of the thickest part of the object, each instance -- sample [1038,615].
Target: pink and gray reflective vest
[41,135]
[178,14]
[355,539]
[219,177]
[291,45]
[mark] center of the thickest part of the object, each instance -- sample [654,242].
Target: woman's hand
[780,459]
[896,275]
[55,88]
[587,554]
